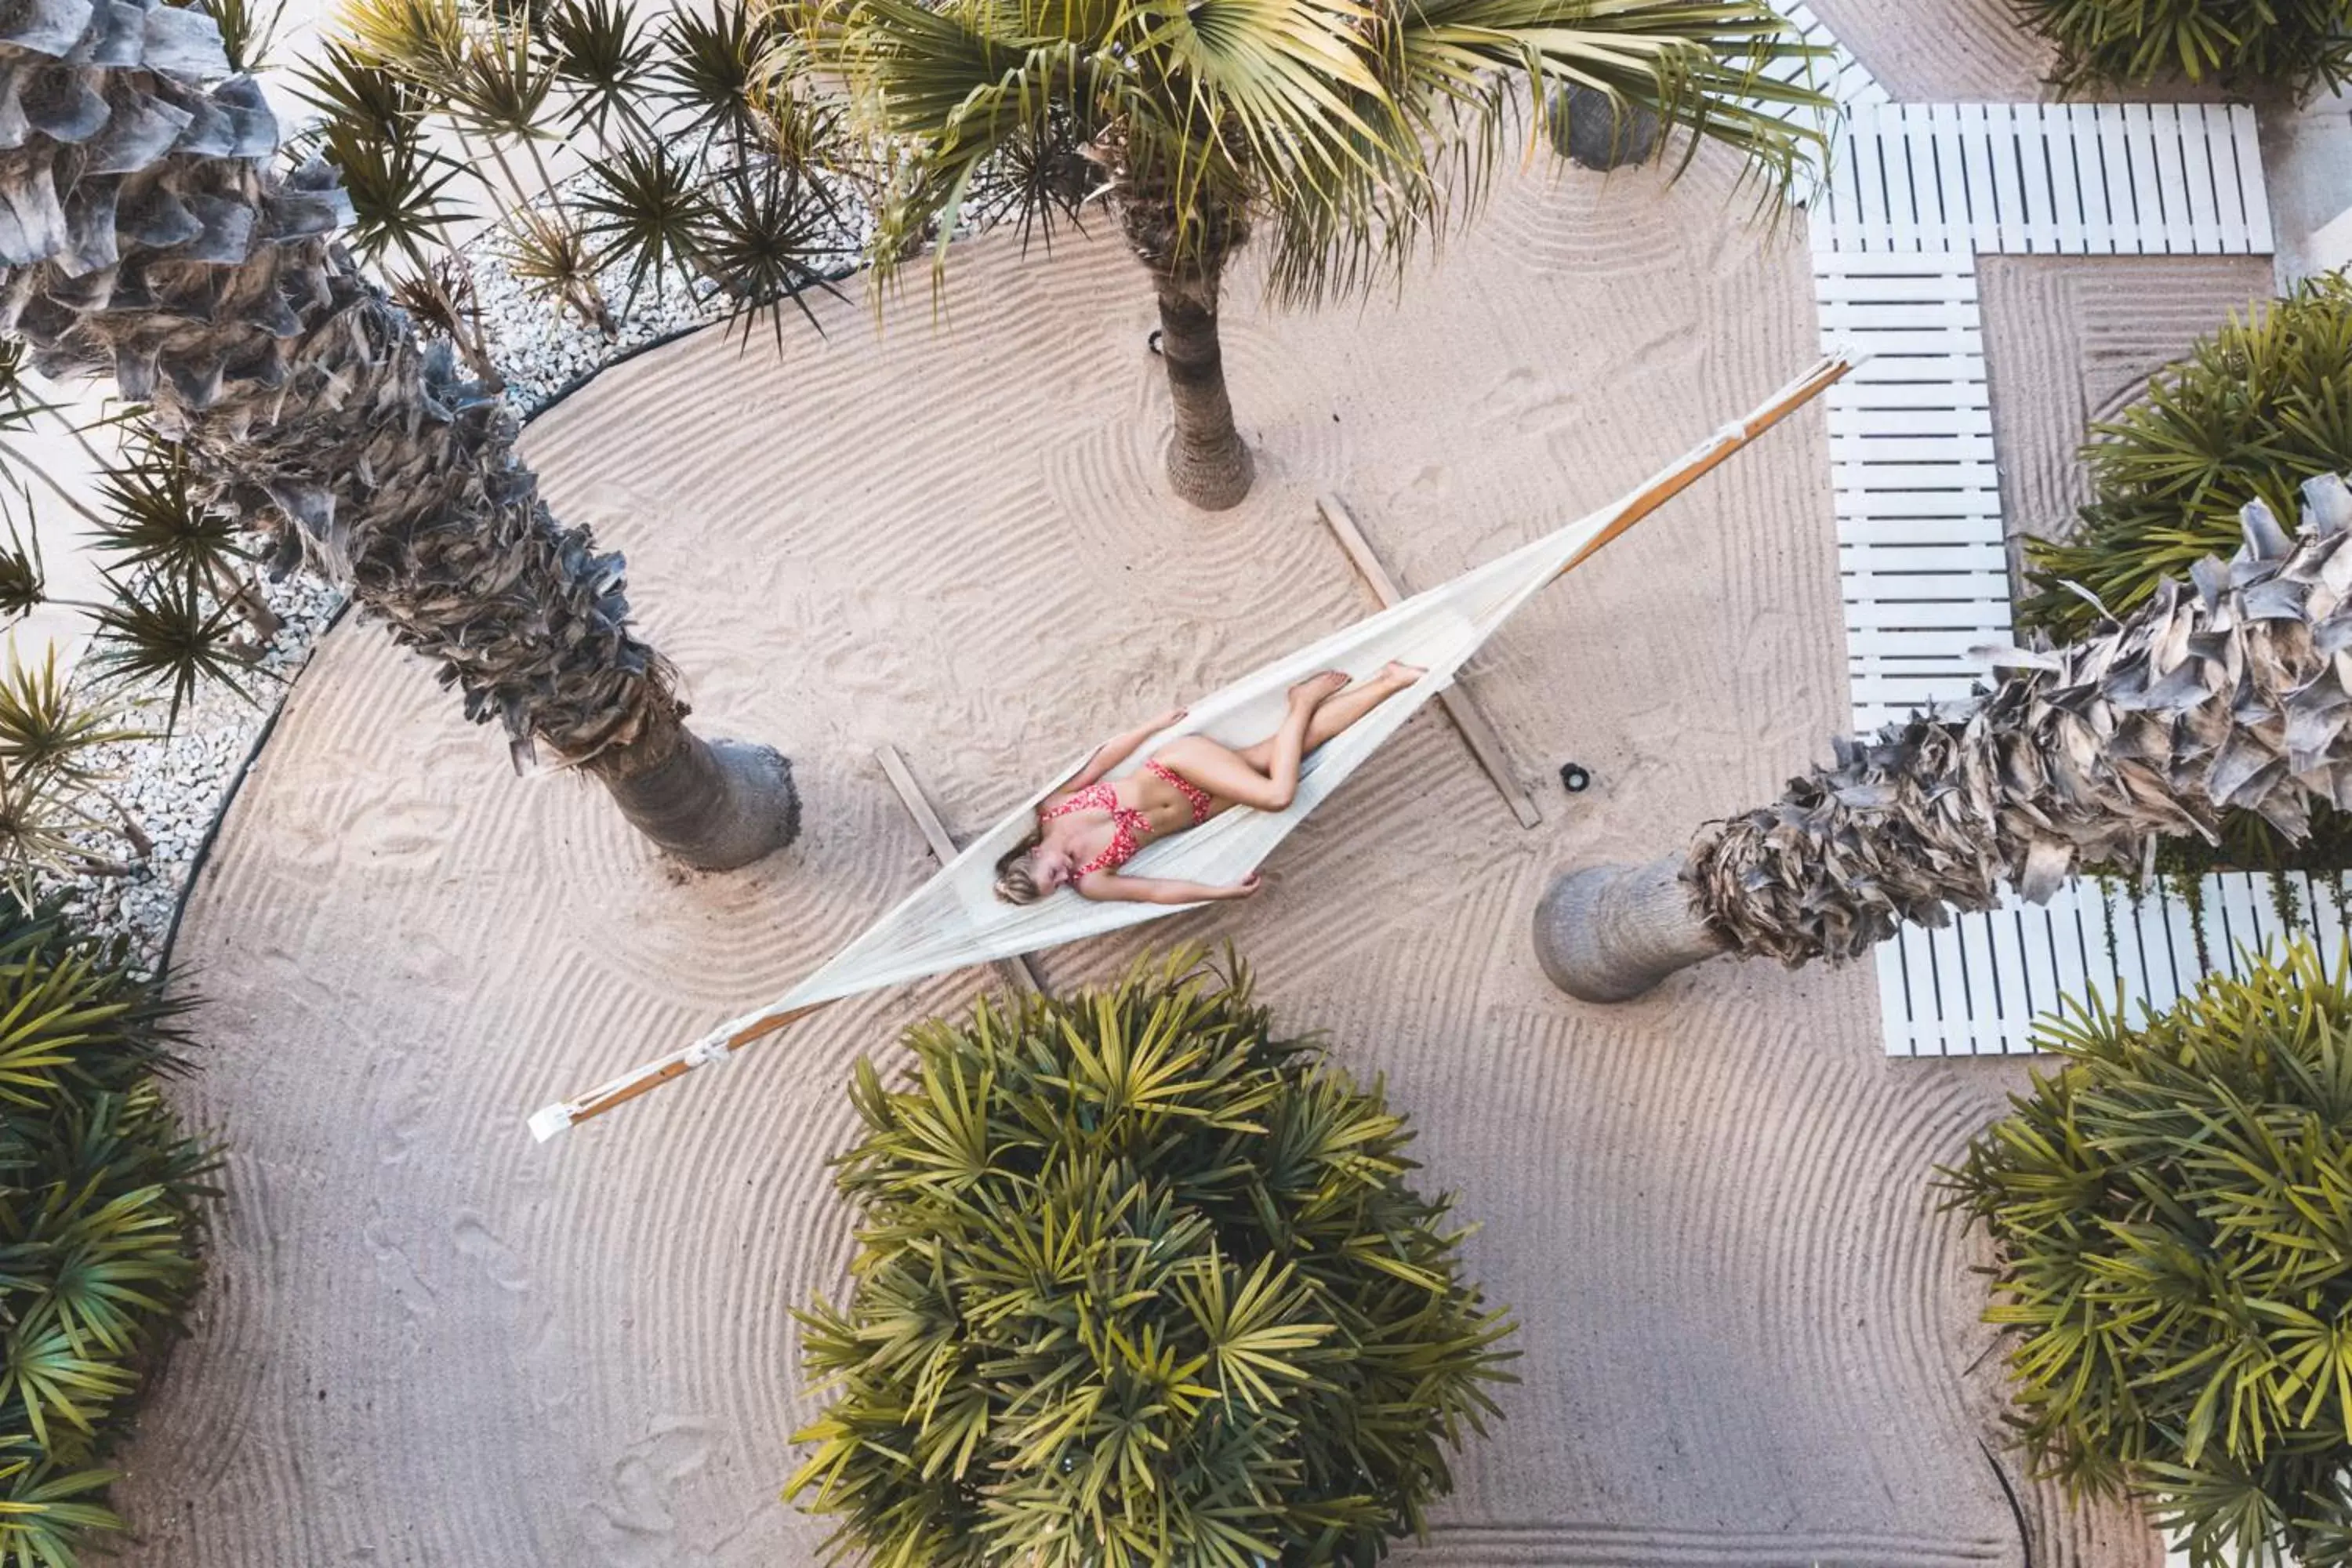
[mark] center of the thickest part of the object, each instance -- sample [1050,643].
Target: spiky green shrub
[1140,1281]
[2171,1215]
[2298,43]
[98,1224]
[2254,410]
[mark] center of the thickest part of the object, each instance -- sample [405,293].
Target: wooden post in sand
[1459,705]
[1018,970]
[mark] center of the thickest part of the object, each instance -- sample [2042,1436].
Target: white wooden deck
[1916,192]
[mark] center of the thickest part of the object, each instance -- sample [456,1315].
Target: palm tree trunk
[1613,932]
[2231,692]
[714,804]
[1208,463]
[145,236]
[1184,249]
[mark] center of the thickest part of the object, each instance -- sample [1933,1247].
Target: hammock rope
[955,920]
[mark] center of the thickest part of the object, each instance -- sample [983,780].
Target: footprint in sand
[1531,405]
[401,830]
[639,1512]
[408,1090]
[500,1265]
[397,1270]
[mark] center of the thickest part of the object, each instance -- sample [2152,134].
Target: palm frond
[2304,43]
[423,40]
[156,522]
[712,66]
[373,98]
[1356,129]
[642,206]
[503,87]
[48,726]
[766,236]
[398,192]
[550,258]
[247,29]
[372,134]
[1134,1268]
[23,586]
[599,53]
[162,627]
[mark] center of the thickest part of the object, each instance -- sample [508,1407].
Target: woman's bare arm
[1111,753]
[1110,887]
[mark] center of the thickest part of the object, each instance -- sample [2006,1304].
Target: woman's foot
[1317,689]
[1401,675]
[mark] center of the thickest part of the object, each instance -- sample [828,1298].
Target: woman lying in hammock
[1087,831]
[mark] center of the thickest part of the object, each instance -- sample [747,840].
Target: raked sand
[1748,1339]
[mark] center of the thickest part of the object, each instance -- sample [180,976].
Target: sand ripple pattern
[428,1341]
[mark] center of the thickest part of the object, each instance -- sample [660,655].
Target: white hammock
[955,920]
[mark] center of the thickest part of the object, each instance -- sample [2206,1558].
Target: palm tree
[1331,125]
[146,236]
[2233,691]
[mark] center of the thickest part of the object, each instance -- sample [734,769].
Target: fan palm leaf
[398,190]
[766,236]
[503,87]
[158,521]
[712,67]
[24,586]
[163,626]
[1353,129]
[247,29]
[645,207]
[551,257]
[97,1223]
[48,725]
[423,40]
[599,52]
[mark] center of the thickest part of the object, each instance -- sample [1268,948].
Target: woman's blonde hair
[1016,883]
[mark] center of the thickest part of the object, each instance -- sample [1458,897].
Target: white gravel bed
[174,784]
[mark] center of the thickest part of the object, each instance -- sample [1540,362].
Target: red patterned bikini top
[1128,825]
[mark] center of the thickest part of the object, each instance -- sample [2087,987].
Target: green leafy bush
[98,1224]
[2255,411]
[2171,1214]
[2300,43]
[1139,1282]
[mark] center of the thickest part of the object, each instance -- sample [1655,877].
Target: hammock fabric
[956,920]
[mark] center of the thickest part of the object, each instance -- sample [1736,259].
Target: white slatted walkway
[1841,74]
[1917,193]
[2046,179]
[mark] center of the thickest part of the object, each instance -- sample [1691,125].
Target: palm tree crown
[1346,130]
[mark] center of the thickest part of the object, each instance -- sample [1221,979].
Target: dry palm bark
[2233,691]
[146,236]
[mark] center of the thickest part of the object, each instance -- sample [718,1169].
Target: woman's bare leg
[1340,713]
[1234,777]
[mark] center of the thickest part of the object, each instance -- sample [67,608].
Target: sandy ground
[1748,1339]
[1948,52]
[2071,340]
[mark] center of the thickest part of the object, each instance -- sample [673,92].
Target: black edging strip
[620,357]
[228,796]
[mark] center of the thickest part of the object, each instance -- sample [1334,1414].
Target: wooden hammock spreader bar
[1730,439]
[722,1043]
[1469,722]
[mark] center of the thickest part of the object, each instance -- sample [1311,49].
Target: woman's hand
[1245,888]
[1170,719]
